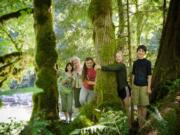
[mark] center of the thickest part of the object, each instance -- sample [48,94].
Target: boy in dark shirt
[141,83]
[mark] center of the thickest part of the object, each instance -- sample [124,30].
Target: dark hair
[143,47]
[84,71]
[68,65]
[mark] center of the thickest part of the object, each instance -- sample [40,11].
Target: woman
[66,92]
[88,78]
[77,83]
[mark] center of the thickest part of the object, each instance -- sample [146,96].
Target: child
[141,83]
[88,78]
[123,88]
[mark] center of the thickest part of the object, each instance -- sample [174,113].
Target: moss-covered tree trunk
[121,33]
[104,40]
[45,104]
[167,66]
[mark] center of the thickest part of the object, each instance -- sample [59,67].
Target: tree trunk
[167,65]
[45,103]
[121,34]
[104,40]
[164,12]
[138,23]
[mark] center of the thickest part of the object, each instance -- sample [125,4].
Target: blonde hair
[121,53]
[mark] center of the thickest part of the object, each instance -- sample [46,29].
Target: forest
[41,39]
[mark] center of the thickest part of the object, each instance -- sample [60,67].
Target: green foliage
[73,30]
[16,36]
[111,122]
[165,124]
[110,105]
[40,127]
[171,117]
[7,6]
[90,113]
[83,121]
[160,123]
[146,26]
[79,122]
[162,127]
[11,128]
[172,85]
[169,86]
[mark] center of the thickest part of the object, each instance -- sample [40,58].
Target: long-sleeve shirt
[121,73]
[90,75]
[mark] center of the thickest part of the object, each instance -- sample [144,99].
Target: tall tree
[45,103]
[167,66]
[164,11]
[122,23]
[138,23]
[104,40]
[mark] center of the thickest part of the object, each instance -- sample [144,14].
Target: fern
[111,122]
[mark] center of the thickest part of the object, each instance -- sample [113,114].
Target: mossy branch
[15,14]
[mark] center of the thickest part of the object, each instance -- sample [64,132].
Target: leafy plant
[41,127]
[11,128]
[160,123]
[111,122]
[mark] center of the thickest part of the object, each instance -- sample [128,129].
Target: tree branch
[7,56]
[15,14]
[11,38]
[1,82]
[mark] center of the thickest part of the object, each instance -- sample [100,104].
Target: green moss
[46,54]
[106,89]
[99,8]
[40,4]
[45,107]
[46,78]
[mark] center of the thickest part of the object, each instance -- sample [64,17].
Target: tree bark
[138,32]
[7,65]
[104,41]
[121,34]
[45,103]
[164,12]
[167,66]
